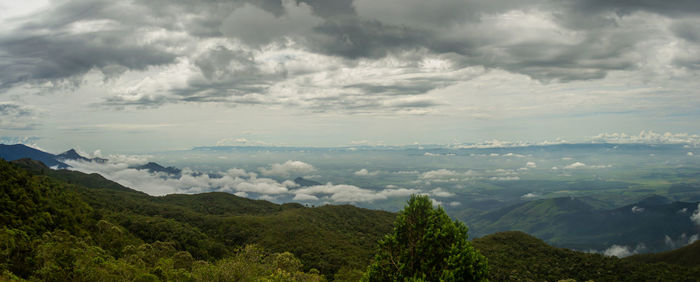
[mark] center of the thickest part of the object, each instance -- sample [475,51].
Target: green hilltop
[63,225]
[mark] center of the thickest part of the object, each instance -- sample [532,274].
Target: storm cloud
[318,55]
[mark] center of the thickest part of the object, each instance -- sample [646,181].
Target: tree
[426,245]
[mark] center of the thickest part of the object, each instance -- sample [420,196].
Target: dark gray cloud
[355,39]
[624,7]
[139,100]
[60,57]
[543,39]
[13,116]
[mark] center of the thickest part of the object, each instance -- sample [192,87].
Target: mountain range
[655,223]
[652,224]
[69,218]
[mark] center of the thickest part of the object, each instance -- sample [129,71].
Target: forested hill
[64,225]
[516,256]
[106,217]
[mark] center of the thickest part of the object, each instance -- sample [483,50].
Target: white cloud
[298,168]
[25,140]
[454,204]
[623,251]
[236,172]
[648,137]
[305,197]
[529,196]
[682,240]
[690,154]
[131,160]
[439,192]
[575,165]
[636,209]
[439,174]
[531,165]
[365,172]
[240,141]
[238,181]
[267,198]
[579,165]
[695,217]
[352,194]
[504,178]
[407,172]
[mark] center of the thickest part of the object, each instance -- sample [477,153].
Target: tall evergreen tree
[426,245]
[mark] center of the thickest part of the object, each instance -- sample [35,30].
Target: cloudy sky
[146,75]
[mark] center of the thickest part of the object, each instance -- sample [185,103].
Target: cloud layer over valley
[455,70]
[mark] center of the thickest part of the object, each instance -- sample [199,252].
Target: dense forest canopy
[64,225]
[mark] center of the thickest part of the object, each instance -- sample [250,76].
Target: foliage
[686,256]
[38,201]
[516,256]
[426,245]
[59,225]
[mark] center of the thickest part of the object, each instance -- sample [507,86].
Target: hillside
[56,230]
[686,256]
[516,256]
[573,223]
[208,226]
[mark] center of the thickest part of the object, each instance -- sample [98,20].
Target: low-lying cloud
[695,217]
[365,172]
[647,137]
[580,165]
[288,168]
[350,193]
[623,251]
[238,182]
[681,241]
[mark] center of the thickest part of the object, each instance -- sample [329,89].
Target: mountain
[306,182]
[73,155]
[93,180]
[686,256]
[208,226]
[516,256]
[154,167]
[573,223]
[65,225]
[20,151]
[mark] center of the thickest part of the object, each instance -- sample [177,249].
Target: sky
[150,75]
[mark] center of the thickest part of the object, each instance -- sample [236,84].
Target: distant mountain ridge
[336,240]
[74,155]
[306,182]
[155,167]
[209,225]
[572,223]
[21,151]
